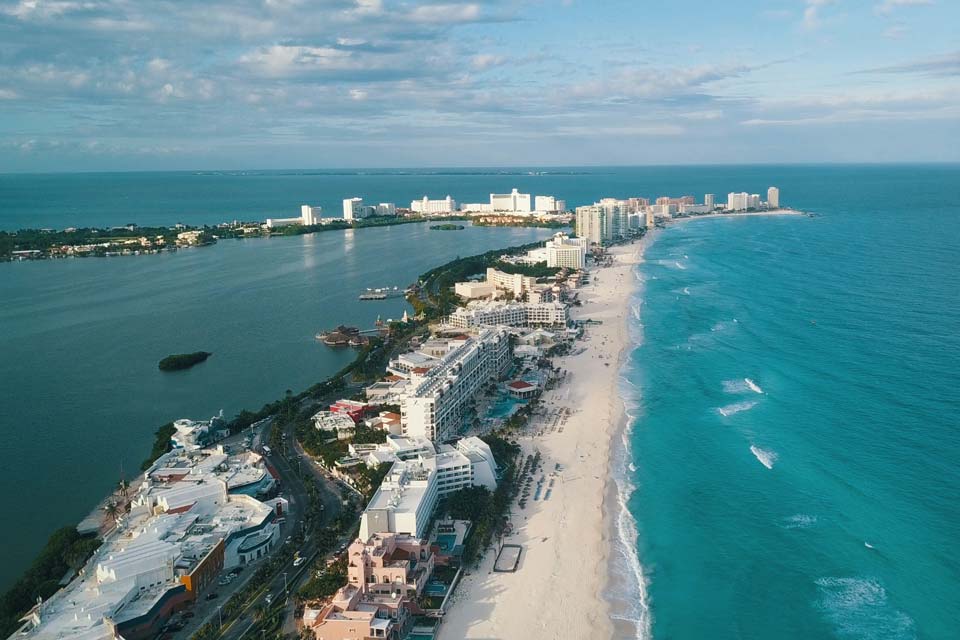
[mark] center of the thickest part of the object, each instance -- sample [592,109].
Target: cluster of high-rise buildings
[355,209]
[611,219]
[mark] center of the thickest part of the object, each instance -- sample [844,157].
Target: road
[287,463]
[289,577]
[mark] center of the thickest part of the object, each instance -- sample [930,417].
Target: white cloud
[358,94]
[280,60]
[889,6]
[444,13]
[484,61]
[8,94]
[811,13]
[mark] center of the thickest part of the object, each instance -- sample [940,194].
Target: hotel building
[773,198]
[308,216]
[512,314]
[549,204]
[435,402]
[565,252]
[513,202]
[404,503]
[428,206]
[384,573]
[604,222]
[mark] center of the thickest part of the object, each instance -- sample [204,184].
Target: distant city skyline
[112,85]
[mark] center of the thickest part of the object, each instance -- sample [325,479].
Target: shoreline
[560,587]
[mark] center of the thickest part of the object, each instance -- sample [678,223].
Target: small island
[180,361]
[447,227]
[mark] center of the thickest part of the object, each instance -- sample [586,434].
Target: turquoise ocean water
[793,465]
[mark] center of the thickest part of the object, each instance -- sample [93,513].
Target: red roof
[521,384]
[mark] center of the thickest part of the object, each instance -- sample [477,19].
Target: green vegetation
[161,444]
[66,550]
[435,297]
[327,583]
[518,221]
[447,227]
[487,511]
[180,361]
[538,270]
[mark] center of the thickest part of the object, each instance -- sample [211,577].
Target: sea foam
[799,521]
[753,386]
[736,407]
[766,457]
[859,608]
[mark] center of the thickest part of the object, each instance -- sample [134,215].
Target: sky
[246,84]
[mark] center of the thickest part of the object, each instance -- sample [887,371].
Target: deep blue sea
[794,442]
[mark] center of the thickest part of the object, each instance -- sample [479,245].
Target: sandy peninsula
[557,590]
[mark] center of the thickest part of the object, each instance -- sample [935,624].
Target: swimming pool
[446,542]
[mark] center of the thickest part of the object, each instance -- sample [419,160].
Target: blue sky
[171,84]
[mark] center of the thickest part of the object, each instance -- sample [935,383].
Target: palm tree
[113,511]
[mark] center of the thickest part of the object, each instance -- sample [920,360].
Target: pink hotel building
[384,575]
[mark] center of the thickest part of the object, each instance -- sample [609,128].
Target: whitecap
[752,385]
[736,407]
[766,457]
[686,291]
[799,521]
[859,608]
[735,386]
[680,266]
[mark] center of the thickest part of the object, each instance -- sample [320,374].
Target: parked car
[212,596]
[188,614]
[299,561]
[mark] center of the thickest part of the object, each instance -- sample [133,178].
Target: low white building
[512,314]
[695,208]
[475,290]
[308,216]
[334,422]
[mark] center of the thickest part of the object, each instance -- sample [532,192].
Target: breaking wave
[766,457]
[735,408]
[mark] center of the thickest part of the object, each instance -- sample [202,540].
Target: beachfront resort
[508,399]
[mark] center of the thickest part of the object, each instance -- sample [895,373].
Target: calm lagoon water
[80,340]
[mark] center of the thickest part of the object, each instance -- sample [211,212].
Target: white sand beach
[556,591]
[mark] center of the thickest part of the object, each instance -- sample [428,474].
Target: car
[288,540]
[212,596]
[299,561]
[269,598]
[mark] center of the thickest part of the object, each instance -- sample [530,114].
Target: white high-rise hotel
[436,401]
[773,198]
[426,205]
